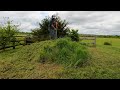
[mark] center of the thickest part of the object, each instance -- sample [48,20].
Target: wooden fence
[90,37]
[25,40]
[28,41]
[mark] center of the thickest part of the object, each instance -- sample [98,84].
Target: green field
[23,63]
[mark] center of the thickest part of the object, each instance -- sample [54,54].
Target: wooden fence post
[24,42]
[95,41]
[14,44]
[3,47]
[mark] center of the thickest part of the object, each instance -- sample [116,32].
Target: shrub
[66,52]
[74,35]
[42,32]
[107,43]
[7,33]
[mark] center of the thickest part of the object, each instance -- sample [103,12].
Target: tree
[7,32]
[42,33]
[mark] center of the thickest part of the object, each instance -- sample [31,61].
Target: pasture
[23,63]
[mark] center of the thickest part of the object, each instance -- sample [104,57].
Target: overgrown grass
[64,51]
[24,63]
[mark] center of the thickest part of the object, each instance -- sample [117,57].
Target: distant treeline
[102,36]
[87,35]
[24,32]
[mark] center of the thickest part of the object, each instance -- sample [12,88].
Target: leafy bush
[65,52]
[74,35]
[7,32]
[42,33]
[107,43]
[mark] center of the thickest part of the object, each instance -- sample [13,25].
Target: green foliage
[7,32]
[108,36]
[66,52]
[62,27]
[74,35]
[42,33]
[107,43]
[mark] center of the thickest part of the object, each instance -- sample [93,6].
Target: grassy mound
[66,52]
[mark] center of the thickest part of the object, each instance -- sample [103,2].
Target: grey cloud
[97,22]
[88,22]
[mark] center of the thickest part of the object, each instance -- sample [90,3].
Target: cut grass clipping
[107,43]
[66,52]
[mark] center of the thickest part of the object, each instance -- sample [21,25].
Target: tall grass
[66,52]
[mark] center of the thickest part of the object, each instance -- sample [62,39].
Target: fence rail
[25,42]
[11,46]
[92,37]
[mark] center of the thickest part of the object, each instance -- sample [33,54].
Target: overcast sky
[87,22]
